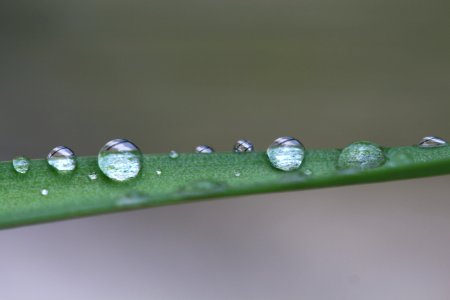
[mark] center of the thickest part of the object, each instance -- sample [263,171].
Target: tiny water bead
[237,173]
[307,172]
[62,159]
[120,160]
[92,176]
[362,156]
[158,172]
[21,164]
[173,154]
[286,153]
[44,192]
[432,142]
[243,146]
[204,149]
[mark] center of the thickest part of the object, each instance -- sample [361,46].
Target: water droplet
[203,187]
[44,192]
[92,176]
[132,199]
[362,156]
[173,154]
[243,146]
[431,142]
[204,149]
[158,172]
[21,164]
[307,172]
[120,160]
[62,159]
[398,156]
[237,173]
[286,153]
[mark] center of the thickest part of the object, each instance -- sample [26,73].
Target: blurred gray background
[174,74]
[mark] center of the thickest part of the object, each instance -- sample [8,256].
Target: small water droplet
[398,157]
[132,199]
[362,156]
[158,172]
[120,160]
[173,154]
[92,176]
[286,153]
[204,149]
[432,142]
[62,159]
[44,192]
[21,164]
[307,172]
[203,187]
[237,173]
[243,146]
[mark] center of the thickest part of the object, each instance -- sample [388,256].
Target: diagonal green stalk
[187,178]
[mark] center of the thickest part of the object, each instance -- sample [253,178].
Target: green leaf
[189,177]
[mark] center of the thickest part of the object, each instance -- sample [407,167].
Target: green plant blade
[187,178]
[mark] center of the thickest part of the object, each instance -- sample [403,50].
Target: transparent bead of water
[307,172]
[362,156]
[432,142]
[120,160]
[173,154]
[243,146]
[237,173]
[92,176]
[204,149]
[62,159]
[21,164]
[286,153]
[158,172]
[44,192]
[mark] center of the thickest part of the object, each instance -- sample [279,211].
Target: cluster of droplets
[121,160]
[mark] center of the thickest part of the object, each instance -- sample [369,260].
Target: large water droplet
[62,159]
[286,153]
[120,160]
[431,142]
[21,164]
[204,149]
[361,155]
[243,146]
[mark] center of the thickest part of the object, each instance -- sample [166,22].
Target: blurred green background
[174,74]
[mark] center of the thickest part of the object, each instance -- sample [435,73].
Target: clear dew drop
[120,160]
[361,156]
[173,154]
[44,192]
[158,172]
[398,157]
[62,159]
[432,142]
[203,187]
[237,173]
[21,164]
[286,153]
[307,172]
[204,149]
[93,176]
[243,146]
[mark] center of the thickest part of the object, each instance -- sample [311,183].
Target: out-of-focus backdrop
[174,74]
